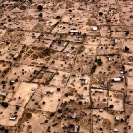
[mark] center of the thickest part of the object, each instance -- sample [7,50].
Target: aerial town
[66,66]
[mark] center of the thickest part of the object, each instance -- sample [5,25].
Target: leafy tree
[66,94]
[46,121]
[43,102]
[2,128]
[52,114]
[40,15]
[6,131]
[100,13]
[4,104]
[127,32]
[17,107]
[40,7]
[58,17]
[58,89]
[111,106]
[126,49]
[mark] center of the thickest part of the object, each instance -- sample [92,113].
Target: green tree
[40,7]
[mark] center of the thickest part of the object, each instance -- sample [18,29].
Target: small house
[116,79]
[73,31]
[12,118]
[86,81]
[100,91]
[76,128]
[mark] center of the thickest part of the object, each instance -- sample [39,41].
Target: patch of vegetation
[40,7]
[93,69]
[117,123]
[81,49]
[28,115]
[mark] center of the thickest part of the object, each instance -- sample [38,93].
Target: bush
[116,123]
[28,115]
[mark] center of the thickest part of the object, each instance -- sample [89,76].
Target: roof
[115,129]
[116,41]
[117,79]
[75,31]
[2,94]
[99,90]
[74,115]
[68,55]
[86,81]
[76,129]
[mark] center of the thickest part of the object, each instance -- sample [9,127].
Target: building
[94,28]
[115,130]
[2,94]
[116,41]
[100,110]
[68,55]
[74,115]
[99,90]
[76,128]
[66,75]
[12,118]
[116,79]
[73,31]
[17,10]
